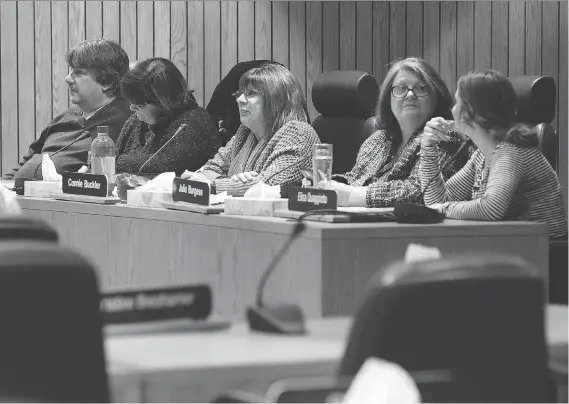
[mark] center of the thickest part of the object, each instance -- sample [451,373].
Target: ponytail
[522,135]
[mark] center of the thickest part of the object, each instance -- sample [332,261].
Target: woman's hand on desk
[189,175]
[347,195]
[439,207]
[245,177]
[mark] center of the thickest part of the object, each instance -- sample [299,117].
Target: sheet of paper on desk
[363,209]
[382,382]
[216,199]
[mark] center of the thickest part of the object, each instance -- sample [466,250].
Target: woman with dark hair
[507,178]
[168,130]
[386,170]
[274,140]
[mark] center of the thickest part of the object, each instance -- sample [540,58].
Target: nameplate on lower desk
[84,184]
[186,302]
[190,191]
[306,199]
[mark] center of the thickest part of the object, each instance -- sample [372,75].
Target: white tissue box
[254,206]
[149,199]
[41,189]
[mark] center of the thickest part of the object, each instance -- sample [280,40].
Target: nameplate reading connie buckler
[186,302]
[84,184]
[306,199]
[190,191]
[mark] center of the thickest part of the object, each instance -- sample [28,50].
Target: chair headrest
[345,93]
[536,98]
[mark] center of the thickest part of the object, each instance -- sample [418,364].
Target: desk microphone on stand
[276,318]
[418,212]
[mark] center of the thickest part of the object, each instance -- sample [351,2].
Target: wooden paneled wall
[206,38]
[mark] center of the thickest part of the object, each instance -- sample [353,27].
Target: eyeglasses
[248,94]
[402,91]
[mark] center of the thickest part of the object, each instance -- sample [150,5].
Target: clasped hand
[245,177]
[190,175]
[436,130]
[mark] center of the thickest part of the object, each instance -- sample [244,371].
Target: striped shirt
[391,178]
[270,157]
[517,183]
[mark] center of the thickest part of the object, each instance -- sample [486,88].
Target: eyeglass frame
[240,93]
[412,90]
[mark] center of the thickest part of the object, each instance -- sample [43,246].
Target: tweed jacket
[277,159]
[390,179]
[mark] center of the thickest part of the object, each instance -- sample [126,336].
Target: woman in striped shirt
[507,178]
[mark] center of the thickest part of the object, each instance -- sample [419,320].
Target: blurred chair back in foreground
[22,227]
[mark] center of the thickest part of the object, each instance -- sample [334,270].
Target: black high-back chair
[536,106]
[346,102]
[22,227]
[478,318]
[51,342]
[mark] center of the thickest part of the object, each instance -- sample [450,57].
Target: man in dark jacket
[95,69]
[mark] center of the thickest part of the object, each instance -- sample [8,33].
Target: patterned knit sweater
[189,150]
[277,159]
[516,184]
[391,179]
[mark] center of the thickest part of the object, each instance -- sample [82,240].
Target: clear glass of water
[322,165]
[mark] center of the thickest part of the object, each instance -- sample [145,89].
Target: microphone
[277,318]
[63,148]
[182,126]
[418,212]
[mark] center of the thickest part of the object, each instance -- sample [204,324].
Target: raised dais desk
[196,367]
[325,269]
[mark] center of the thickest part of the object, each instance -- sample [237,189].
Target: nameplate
[190,191]
[84,184]
[306,199]
[187,302]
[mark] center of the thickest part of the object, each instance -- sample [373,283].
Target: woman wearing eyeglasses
[168,131]
[387,166]
[274,140]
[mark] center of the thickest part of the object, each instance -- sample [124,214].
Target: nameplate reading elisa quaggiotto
[84,184]
[186,302]
[190,191]
[306,199]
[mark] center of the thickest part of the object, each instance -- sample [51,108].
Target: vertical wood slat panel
[128,28]
[314,49]
[431,27]
[347,35]
[145,31]
[212,48]
[26,91]
[9,78]
[516,38]
[178,37]
[94,19]
[448,43]
[297,52]
[60,45]
[397,30]
[364,36]
[76,22]
[43,76]
[500,36]
[482,35]
[330,36]
[380,41]
[550,47]
[228,36]
[263,31]
[280,34]
[162,29]
[562,97]
[414,23]
[533,37]
[196,49]
[111,20]
[464,37]
[245,31]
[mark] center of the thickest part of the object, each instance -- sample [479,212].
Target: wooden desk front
[325,270]
[195,367]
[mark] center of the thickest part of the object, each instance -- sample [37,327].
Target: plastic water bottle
[103,153]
